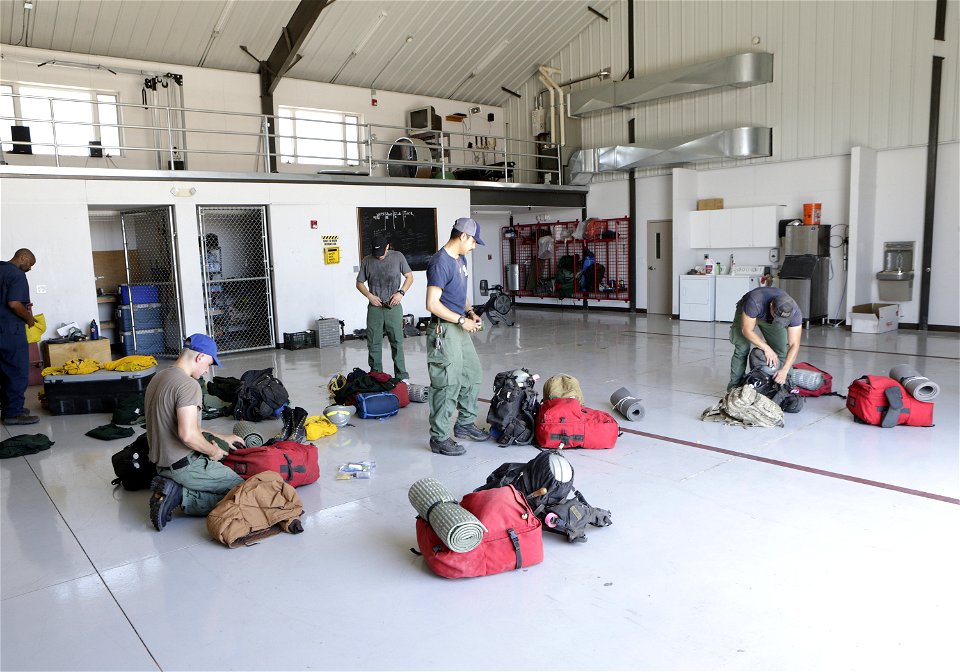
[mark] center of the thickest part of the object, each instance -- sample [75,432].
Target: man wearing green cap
[190,474]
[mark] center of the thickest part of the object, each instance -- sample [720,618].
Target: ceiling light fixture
[217,29]
[403,44]
[362,43]
[482,64]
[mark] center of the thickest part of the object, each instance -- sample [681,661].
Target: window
[319,137]
[78,117]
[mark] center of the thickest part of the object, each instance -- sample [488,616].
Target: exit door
[660,266]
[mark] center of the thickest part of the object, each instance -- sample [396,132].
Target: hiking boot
[22,419]
[167,495]
[286,415]
[446,447]
[298,433]
[471,432]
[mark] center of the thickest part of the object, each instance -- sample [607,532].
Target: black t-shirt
[756,304]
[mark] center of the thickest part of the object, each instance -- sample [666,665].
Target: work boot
[298,433]
[167,495]
[471,432]
[286,415]
[446,447]
[22,419]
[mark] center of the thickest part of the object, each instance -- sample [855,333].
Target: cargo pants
[386,320]
[14,366]
[204,482]
[455,377]
[773,334]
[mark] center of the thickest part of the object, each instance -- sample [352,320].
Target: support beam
[281,59]
[930,200]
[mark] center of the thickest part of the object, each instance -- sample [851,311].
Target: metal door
[152,324]
[237,290]
[660,266]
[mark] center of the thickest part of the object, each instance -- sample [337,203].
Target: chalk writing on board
[412,231]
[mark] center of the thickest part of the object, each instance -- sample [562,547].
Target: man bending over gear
[190,474]
[778,317]
[382,271]
[452,360]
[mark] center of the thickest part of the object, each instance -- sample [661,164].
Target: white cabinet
[735,227]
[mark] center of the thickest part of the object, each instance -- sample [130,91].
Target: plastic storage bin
[149,342]
[96,392]
[300,340]
[146,316]
[141,294]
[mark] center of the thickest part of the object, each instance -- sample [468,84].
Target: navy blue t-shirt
[450,275]
[13,287]
[756,303]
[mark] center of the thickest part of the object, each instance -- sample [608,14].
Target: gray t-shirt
[383,276]
[169,390]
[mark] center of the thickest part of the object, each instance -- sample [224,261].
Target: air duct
[748,142]
[741,70]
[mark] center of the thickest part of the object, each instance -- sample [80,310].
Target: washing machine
[698,297]
[730,288]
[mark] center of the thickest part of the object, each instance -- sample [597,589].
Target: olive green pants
[386,320]
[773,334]
[204,482]
[455,377]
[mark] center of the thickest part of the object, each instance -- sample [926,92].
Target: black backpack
[513,409]
[133,467]
[763,382]
[260,395]
[547,483]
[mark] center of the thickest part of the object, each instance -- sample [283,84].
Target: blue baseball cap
[470,227]
[203,344]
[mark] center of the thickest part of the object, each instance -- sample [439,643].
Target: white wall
[51,218]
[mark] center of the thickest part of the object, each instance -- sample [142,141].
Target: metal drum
[512,277]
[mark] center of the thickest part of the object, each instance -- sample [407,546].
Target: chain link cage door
[151,323]
[238,296]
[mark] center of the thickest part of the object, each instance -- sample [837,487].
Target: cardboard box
[874,318]
[710,204]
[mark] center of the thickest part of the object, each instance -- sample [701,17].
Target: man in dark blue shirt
[778,317]
[15,312]
[452,360]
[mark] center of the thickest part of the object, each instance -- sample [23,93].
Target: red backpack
[825,389]
[297,463]
[513,539]
[868,401]
[565,423]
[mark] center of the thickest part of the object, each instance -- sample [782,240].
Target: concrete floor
[825,545]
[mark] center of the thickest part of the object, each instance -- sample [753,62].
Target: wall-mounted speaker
[96,151]
[21,134]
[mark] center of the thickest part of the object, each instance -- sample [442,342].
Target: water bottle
[94,330]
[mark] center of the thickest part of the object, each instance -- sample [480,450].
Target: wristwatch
[461,320]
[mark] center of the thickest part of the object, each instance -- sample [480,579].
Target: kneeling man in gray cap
[777,316]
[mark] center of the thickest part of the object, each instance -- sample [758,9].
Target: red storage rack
[557,271]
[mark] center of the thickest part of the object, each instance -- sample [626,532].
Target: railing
[215,140]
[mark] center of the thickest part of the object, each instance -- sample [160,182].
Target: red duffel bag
[565,423]
[513,539]
[297,463]
[867,401]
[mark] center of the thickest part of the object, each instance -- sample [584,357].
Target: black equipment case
[96,392]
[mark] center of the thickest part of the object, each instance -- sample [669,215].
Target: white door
[660,266]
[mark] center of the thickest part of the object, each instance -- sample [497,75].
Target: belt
[181,463]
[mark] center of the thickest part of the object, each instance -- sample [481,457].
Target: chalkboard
[412,231]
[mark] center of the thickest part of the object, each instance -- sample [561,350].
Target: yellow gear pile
[131,363]
[318,426]
[73,367]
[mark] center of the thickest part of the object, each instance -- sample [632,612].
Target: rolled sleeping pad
[418,393]
[458,529]
[627,405]
[251,434]
[805,379]
[920,387]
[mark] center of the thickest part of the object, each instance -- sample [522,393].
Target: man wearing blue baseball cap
[190,474]
[452,360]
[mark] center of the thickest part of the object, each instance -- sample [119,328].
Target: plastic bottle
[94,330]
[707,265]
